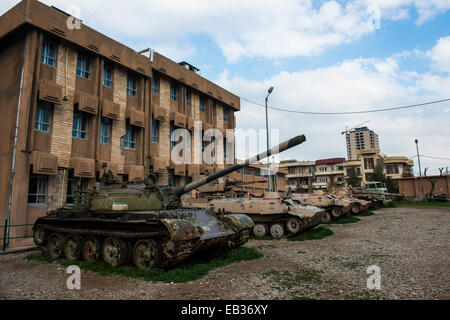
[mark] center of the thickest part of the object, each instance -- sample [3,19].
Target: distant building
[323,174]
[360,139]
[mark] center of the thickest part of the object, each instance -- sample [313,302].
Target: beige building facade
[360,139]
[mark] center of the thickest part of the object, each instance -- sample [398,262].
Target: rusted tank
[145,224]
[335,208]
[360,206]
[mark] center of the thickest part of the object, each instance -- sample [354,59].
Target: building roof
[330,161]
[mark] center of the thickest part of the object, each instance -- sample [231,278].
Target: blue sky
[319,55]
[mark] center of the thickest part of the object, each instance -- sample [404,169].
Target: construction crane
[359,125]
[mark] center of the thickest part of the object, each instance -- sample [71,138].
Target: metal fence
[6,236]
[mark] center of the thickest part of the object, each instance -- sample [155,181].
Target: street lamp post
[267,132]
[420,170]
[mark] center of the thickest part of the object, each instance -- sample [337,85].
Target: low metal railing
[6,236]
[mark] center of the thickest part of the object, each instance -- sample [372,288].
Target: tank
[335,208]
[347,194]
[143,224]
[273,215]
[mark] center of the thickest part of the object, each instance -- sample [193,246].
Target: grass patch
[425,204]
[345,220]
[313,234]
[289,280]
[366,213]
[188,271]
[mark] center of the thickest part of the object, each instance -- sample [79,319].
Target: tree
[353,180]
[379,176]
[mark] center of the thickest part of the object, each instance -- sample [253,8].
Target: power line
[439,158]
[348,112]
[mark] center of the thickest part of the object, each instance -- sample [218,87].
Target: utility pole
[420,171]
[268,144]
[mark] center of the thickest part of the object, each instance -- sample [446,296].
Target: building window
[48,53]
[225,150]
[79,128]
[392,169]
[73,186]
[155,85]
[368,163]
[202,104]
[105,131]
[130,137]
[37,189]
[225,115]
[292,170]
[43,116]
[155,131]
[131,85]
[172,128]
[214,110]
[188,98]
[83,66]
[173,92]
[248,171]
[107,75]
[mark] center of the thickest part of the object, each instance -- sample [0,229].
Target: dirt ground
[410,245]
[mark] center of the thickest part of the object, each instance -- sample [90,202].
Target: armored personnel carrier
[273,215]
[335,208]
[144,223]
[360,206]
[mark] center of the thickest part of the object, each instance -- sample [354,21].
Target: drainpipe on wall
[13,166]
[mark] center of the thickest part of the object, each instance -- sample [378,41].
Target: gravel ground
[411,246]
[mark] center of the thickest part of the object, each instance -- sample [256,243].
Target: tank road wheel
[260,230]
[55,245]
[115,252]
[336,212]
[40,236]
[91,249]
[72,247]
[356,209]
[326,217]
[294,225]
[277,231]
[147,254]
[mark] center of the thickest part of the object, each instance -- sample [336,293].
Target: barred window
[188,97]
[83,66]
[107,75]
[173,92]
[155,131]
[225,115]
[155,85]
[202,103]
[105,131]
[48,53]
[172,129]
[130,137]
[79,128]
[43,116]
[131,85]
[37,189]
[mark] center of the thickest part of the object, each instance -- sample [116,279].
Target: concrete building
[326,173]
[73,100]
[320,174]
[360,139]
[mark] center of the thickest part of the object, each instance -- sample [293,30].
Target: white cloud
[440,55]
[353,85]
[252,28]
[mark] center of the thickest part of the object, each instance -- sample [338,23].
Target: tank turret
[143,223]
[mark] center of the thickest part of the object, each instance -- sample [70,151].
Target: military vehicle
[272,214]
[146,222]
[347,194]
[335,208]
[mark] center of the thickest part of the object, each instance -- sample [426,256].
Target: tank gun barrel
[275,150]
